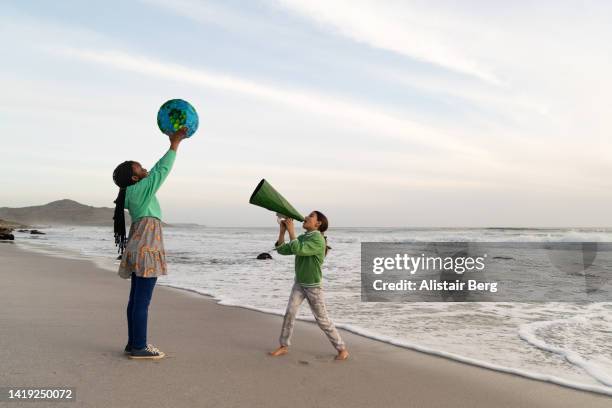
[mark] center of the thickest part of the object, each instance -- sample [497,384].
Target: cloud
[402,30]
[540,57]
[351,113]
[222,15]
[505,157]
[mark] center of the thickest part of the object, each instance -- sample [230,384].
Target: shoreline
[104,264]
[390,364]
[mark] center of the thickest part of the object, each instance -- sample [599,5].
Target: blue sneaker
[150,352]
[127,349]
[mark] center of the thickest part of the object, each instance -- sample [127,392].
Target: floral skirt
[144,253]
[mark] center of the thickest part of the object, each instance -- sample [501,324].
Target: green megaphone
[267,197]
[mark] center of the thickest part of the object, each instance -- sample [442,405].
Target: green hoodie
[309,251]
[140,198]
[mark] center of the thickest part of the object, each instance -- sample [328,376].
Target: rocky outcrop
[61,212]
[6,229]
[6,234]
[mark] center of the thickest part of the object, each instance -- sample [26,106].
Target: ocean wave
[600,370]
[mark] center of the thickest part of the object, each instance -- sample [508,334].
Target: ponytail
[327,247]
[323,227]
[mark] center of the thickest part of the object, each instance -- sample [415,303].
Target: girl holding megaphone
[309,249]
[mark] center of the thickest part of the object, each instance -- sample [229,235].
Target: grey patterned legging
[317,305]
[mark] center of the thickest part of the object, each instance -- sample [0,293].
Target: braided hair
[122,176]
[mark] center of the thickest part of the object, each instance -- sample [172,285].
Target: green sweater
[140,198]
[309,251]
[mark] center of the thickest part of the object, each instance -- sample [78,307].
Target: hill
[61,212]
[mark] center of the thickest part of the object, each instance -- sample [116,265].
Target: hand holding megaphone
[288,223]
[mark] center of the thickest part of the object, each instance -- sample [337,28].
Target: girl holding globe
[310,250]
[142,252]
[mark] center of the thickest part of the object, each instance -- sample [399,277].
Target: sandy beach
[63,325]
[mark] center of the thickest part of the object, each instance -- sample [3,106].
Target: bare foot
[282,350]
[342,355]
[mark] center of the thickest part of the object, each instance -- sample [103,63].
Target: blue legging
[141,292]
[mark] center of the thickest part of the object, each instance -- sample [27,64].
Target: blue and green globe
[176,113]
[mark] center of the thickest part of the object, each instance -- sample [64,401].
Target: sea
[569,344]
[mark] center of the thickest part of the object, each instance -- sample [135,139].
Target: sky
[378,113]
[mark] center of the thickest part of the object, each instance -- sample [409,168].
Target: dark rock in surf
[6,234]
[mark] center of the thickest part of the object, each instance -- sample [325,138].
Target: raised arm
[281,234]
[148,186]
[281,247]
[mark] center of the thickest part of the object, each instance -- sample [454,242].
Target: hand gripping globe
[176,113]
